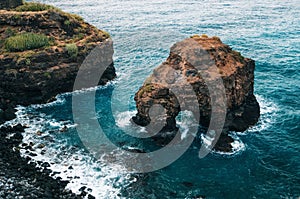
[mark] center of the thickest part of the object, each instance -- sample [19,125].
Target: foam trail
[185,121]
[268,111]
[237,146]
[60,99]
[268,115]
[123,118]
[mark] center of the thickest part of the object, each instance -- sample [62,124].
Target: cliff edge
[41,50]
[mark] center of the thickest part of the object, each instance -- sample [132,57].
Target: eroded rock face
[195,69]
[36,76]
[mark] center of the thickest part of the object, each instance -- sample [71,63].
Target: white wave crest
[70,163]
[237,145]
[268,115]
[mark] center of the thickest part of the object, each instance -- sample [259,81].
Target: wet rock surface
[19,178]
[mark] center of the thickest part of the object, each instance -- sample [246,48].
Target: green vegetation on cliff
[33,7]
[41,50]
[38,27]
[72,50]
[36,7]
[26,41]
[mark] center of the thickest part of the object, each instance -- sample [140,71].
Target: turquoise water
[267,164]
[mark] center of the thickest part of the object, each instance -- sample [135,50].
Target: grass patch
[33,7]
[25,41]
[67,22]
[145,89]
[72,50]
[48,75]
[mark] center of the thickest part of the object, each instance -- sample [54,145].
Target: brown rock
[201,61]
[36,76]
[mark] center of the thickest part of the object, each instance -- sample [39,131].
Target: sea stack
[189,60]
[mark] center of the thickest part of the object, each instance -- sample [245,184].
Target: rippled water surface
[267,164]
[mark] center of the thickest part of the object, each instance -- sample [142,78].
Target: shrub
[27,61]
[67,22]
[33,7]
[26,41]
[145,89]
[78,37]
[47,74]
[72,50]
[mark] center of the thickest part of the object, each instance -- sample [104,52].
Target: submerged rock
[192,65]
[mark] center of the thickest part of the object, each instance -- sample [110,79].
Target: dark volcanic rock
[20,179]
[194,60]
[7,4]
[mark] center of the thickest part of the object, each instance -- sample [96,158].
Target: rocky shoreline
[19,178]
[35,76]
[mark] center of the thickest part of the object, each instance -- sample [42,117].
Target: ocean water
[266,163]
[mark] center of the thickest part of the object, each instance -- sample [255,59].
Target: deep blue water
[268,164]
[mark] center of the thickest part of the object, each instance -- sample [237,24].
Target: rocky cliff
[200,61]
[54,46]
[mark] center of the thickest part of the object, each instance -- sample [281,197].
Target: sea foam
[70,163]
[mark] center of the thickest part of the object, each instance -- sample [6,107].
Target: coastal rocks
[193,60]
[20,178]
[38,75]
